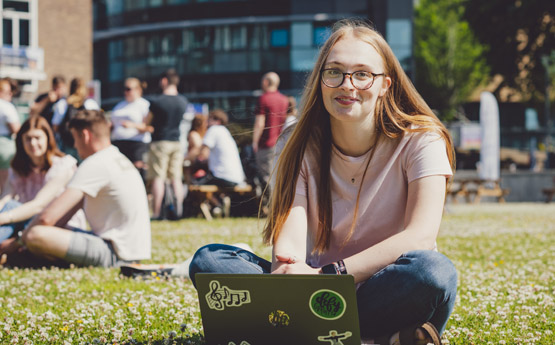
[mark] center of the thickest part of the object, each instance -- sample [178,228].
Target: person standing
[271,112]
[44,103]
[129,133]
[65,109]
[9,125]
[165,157]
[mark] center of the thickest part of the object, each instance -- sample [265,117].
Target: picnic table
[549,192]
[202,194]
[473,189]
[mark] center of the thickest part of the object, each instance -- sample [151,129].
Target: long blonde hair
[77,92]
[395,113]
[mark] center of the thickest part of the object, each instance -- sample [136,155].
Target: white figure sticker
[335,338]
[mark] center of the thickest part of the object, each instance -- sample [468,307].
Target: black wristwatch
[329,269]
[335,268]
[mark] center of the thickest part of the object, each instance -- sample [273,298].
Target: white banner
[489,123]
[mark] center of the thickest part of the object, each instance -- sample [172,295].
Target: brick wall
[66,35]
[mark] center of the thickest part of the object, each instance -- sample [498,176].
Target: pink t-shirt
[26,188]
[384,192]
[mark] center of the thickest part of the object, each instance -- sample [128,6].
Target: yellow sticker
[278,318]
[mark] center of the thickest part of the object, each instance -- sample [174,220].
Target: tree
[449,60]
[518,33]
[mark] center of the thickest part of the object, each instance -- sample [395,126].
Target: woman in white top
[39,173]
[129,133]
[359,189]
[9,125]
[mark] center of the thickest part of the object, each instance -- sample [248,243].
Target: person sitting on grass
[38,173]
[113,197]
[220,149]
[359,189]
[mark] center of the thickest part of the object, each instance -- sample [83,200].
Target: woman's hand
[9,246]
[288,264]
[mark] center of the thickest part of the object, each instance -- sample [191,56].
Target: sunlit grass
[504,255]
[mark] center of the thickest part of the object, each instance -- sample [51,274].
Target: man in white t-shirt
[112,194]
[221,151]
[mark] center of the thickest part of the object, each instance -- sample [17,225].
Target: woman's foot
[417,335]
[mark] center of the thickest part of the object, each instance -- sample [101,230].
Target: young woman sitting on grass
[359,189]
[38,173]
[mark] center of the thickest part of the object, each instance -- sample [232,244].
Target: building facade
[40,39]
[222,48]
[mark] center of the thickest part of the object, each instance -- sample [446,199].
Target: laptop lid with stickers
[266,309]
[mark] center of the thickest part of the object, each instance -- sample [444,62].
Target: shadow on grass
[195,339]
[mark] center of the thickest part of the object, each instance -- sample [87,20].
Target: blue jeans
[419,287]
[7,230]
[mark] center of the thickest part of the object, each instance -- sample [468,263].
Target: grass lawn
[504,254]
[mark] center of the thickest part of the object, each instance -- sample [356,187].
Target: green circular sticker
[327,304]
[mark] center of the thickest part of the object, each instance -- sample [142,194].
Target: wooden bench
[549,192]
[202,194]
[472,190]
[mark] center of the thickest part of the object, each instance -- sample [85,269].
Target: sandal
[406,336]
[142,270]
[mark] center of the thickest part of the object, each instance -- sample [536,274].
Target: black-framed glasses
[361,80]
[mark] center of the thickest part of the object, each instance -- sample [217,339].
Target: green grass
[504,254]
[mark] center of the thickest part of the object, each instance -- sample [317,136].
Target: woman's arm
[14,127]
[425,202]
[195,143]
[289,251]
[33,207]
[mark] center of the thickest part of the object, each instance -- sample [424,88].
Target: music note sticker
[220,297]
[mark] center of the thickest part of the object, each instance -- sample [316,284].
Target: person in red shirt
[271,112]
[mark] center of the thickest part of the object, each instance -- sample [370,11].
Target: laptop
[267,309]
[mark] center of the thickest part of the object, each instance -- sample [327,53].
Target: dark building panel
[221,49]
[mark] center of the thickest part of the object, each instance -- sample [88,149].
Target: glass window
[279,38]
[155,3]
[238,37]
[18,6]
[114,7]
[24,32]
[134,4]
[130,47]
[141,46]
[185,45]
[7,32]
[168,43]
[202,37]
[174,2]
[115,49]
[399,32]
[153,45]
[321,34]
[302,59]
[399,37]
[301,34]
[254,34]
[115,71]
